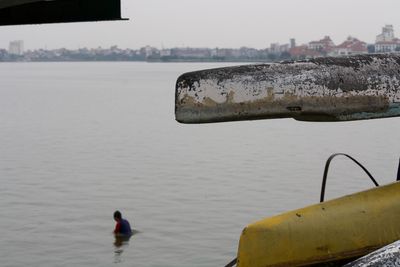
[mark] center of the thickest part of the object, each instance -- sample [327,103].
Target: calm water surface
[79,140]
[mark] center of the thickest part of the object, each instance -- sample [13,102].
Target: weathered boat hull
[322,89]
[336,230]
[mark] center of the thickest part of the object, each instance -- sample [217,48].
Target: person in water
[122,227]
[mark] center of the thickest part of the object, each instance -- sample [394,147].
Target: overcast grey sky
[217,23]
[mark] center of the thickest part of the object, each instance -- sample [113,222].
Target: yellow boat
[338,230]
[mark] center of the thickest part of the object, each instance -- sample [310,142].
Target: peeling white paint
[245,88]
[336,78]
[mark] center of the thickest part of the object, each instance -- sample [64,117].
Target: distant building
[292,42]
[274,48]
[386,41]
[214,52]
[246,52]
[387,34]
[165,52]
[284,48]
[350,47]
[148,51]
[16,48]
[324,45]
[389,46]
[303,52]
[194,53]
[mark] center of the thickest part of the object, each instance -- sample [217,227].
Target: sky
[216,23]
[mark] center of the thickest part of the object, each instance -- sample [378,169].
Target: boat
[322,89]
[335,232]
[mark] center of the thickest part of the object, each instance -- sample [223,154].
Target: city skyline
[221,23]
[386,35]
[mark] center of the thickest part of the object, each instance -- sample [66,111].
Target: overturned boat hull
[323,89]
[333,231]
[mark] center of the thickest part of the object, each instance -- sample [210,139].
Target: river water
[80,140]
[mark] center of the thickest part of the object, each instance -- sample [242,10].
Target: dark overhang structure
[20,12]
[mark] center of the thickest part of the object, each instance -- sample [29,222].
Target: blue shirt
[123,227]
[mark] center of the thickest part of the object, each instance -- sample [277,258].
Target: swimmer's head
[117,215]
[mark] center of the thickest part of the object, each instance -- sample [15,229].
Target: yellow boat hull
[339,229]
